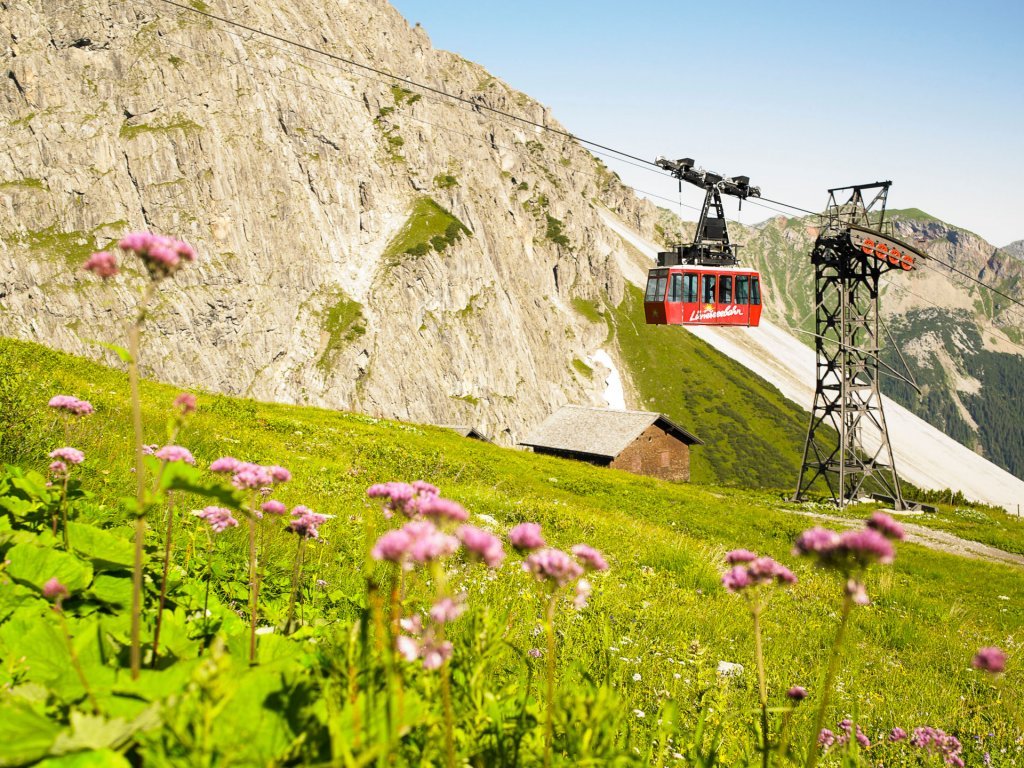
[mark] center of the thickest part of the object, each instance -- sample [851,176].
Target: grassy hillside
[753,436]
[659,621]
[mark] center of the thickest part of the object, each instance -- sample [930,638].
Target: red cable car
[702,283]
[694,295]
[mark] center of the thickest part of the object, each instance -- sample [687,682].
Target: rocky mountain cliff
[963,344]
[364,244]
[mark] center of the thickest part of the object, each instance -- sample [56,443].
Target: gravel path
[933,539]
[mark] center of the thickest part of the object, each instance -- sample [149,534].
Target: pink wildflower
[886,526]
[408,647]
[990,659]
[583,590]
[435,653]
[796,693]
[427,543]
[866,546]
[826,738]
[897,734]
[591,559]
[535,653]
[424,488]
[273,507]
[162,256]
[553,565]
[69,455]
[175,453]
[102,264]
[149,450]
[54,590]
[399,497]
[71,405]
[736,579]
[251,476]
[446,609]
[225,464]
[526,537]
[738,556]
[306,523]
[855,589]
[392,546]
[59,470]
[816,540]
[442,509]
[482,545]
[279,474]
[186,403]
[935,741]
[219,518]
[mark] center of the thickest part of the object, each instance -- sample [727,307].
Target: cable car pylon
[853,250]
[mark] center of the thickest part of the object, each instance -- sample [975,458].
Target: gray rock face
[321,199]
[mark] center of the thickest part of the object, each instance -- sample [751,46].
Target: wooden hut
[640,442]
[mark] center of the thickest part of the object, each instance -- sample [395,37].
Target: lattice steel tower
[852,252]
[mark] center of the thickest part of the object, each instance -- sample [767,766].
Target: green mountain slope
[659,622]
[753,436]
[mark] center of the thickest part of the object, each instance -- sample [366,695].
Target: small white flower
[639,713]
[636,679]
[676,675]
[264,630]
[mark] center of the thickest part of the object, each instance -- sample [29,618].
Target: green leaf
[106,550]
[121,352]
[112,590]
[179,476]
[35,566]
[103,758]
[38,645]
[18,507]
[90,732]
[25,735]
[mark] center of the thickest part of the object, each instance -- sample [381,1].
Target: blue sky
[800,96]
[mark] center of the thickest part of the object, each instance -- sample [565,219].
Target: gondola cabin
[696,295]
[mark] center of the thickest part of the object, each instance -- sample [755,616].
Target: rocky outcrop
[364,244]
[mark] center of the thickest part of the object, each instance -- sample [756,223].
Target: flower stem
[253,587]
[64,512]
[762,685]
[296,571]
[134,333]
[449,715]
[549,626]
[163,581]
[75,662]
[826,688]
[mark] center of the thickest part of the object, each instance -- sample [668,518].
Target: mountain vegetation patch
[430,227]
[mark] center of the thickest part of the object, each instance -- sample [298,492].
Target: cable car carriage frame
[702,283]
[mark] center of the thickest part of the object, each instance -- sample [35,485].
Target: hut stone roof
[599,431]
[466,431]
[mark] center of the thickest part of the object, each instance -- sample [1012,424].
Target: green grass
[659,613]
[587,308]
[181,124]
[582,368]
[752,435]
[429,227]
[72,247]
[344,323]
[23,184]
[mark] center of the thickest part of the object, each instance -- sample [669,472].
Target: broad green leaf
[32,484]
[18,507]
[112,590]
[25,735]
[103,758]
[106,550]
[15,596]
[38,645]
[91,732]
[36,565]
[121,352]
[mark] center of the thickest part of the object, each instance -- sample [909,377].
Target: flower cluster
[162,256]
[418,541]
[845,731]
[935,741]
[850,552]
[749,570]
[72,405]
[68,455]
[415,500]
[426,645]
[219,518]
[246,475]
[185,403]
[552,565]
[305,522]
[482,545]
[990,659]
[102,264]
[555,567]
[526,537]
[174,453]
[54,590]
